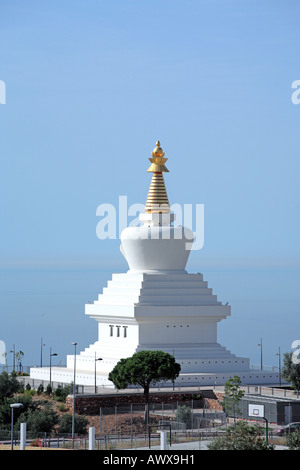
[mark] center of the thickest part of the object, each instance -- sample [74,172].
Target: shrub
[9,385]
[5,411]
[62,407]
[61,393]
[241,436]
[184,415]
[80,424]
[42,421]
[29,393]
[293,441]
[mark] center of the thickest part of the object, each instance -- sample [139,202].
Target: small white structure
[23,427]
[91,438]
[2,352]
[157,305]
[163,440]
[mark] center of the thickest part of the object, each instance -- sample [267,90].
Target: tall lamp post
[14,356]
[42,344]
[279,365]
[261,354]
[13,405]
[74,388]
[54,354]
[96,359]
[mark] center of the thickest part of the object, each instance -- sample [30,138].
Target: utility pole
[261,353]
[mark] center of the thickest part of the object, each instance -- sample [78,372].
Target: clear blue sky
[91,85]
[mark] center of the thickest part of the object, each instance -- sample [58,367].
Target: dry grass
[8,447]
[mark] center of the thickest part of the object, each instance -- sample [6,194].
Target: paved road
[195,445]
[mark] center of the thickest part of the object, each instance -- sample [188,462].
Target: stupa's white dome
[156,249]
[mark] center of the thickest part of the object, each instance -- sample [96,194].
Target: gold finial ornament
[157,200]
[158,151]
[158,161]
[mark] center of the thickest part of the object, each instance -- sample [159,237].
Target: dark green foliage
[61,393]
[9,385]
[184,415]
[291,371]
[5,410]
[293,441]
[37,419]
[144,368]
[232,396]
[48,390]
[241,436]
[42,421]
[80,424]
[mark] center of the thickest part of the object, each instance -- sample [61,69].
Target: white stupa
[157,305]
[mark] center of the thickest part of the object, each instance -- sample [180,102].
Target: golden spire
[157,200]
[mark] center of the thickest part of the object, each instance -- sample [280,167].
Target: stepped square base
[172,312]
[65,375]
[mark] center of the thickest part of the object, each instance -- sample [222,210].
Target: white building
[157,305]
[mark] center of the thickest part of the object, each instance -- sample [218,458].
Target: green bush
[184,415]
[241,436]
[62,407]
[65,424]
[29,393]
[293,441]
[9,385]
[5,410]
[61,393]
[42,421]
[48,390]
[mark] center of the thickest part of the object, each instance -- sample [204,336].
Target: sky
[90,86]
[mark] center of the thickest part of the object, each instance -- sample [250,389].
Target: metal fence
[181,415]
[111,441]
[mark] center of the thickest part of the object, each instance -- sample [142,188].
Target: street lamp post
[261,354]
[13,405]
[42,344]
[74,385]
[279,365]
[96,359]
[54,354]
[14,356]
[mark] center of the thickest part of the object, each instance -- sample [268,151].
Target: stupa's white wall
[175,313]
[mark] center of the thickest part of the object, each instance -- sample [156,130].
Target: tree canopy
[291,371]
[144,368]
[232,395]
[8,385]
